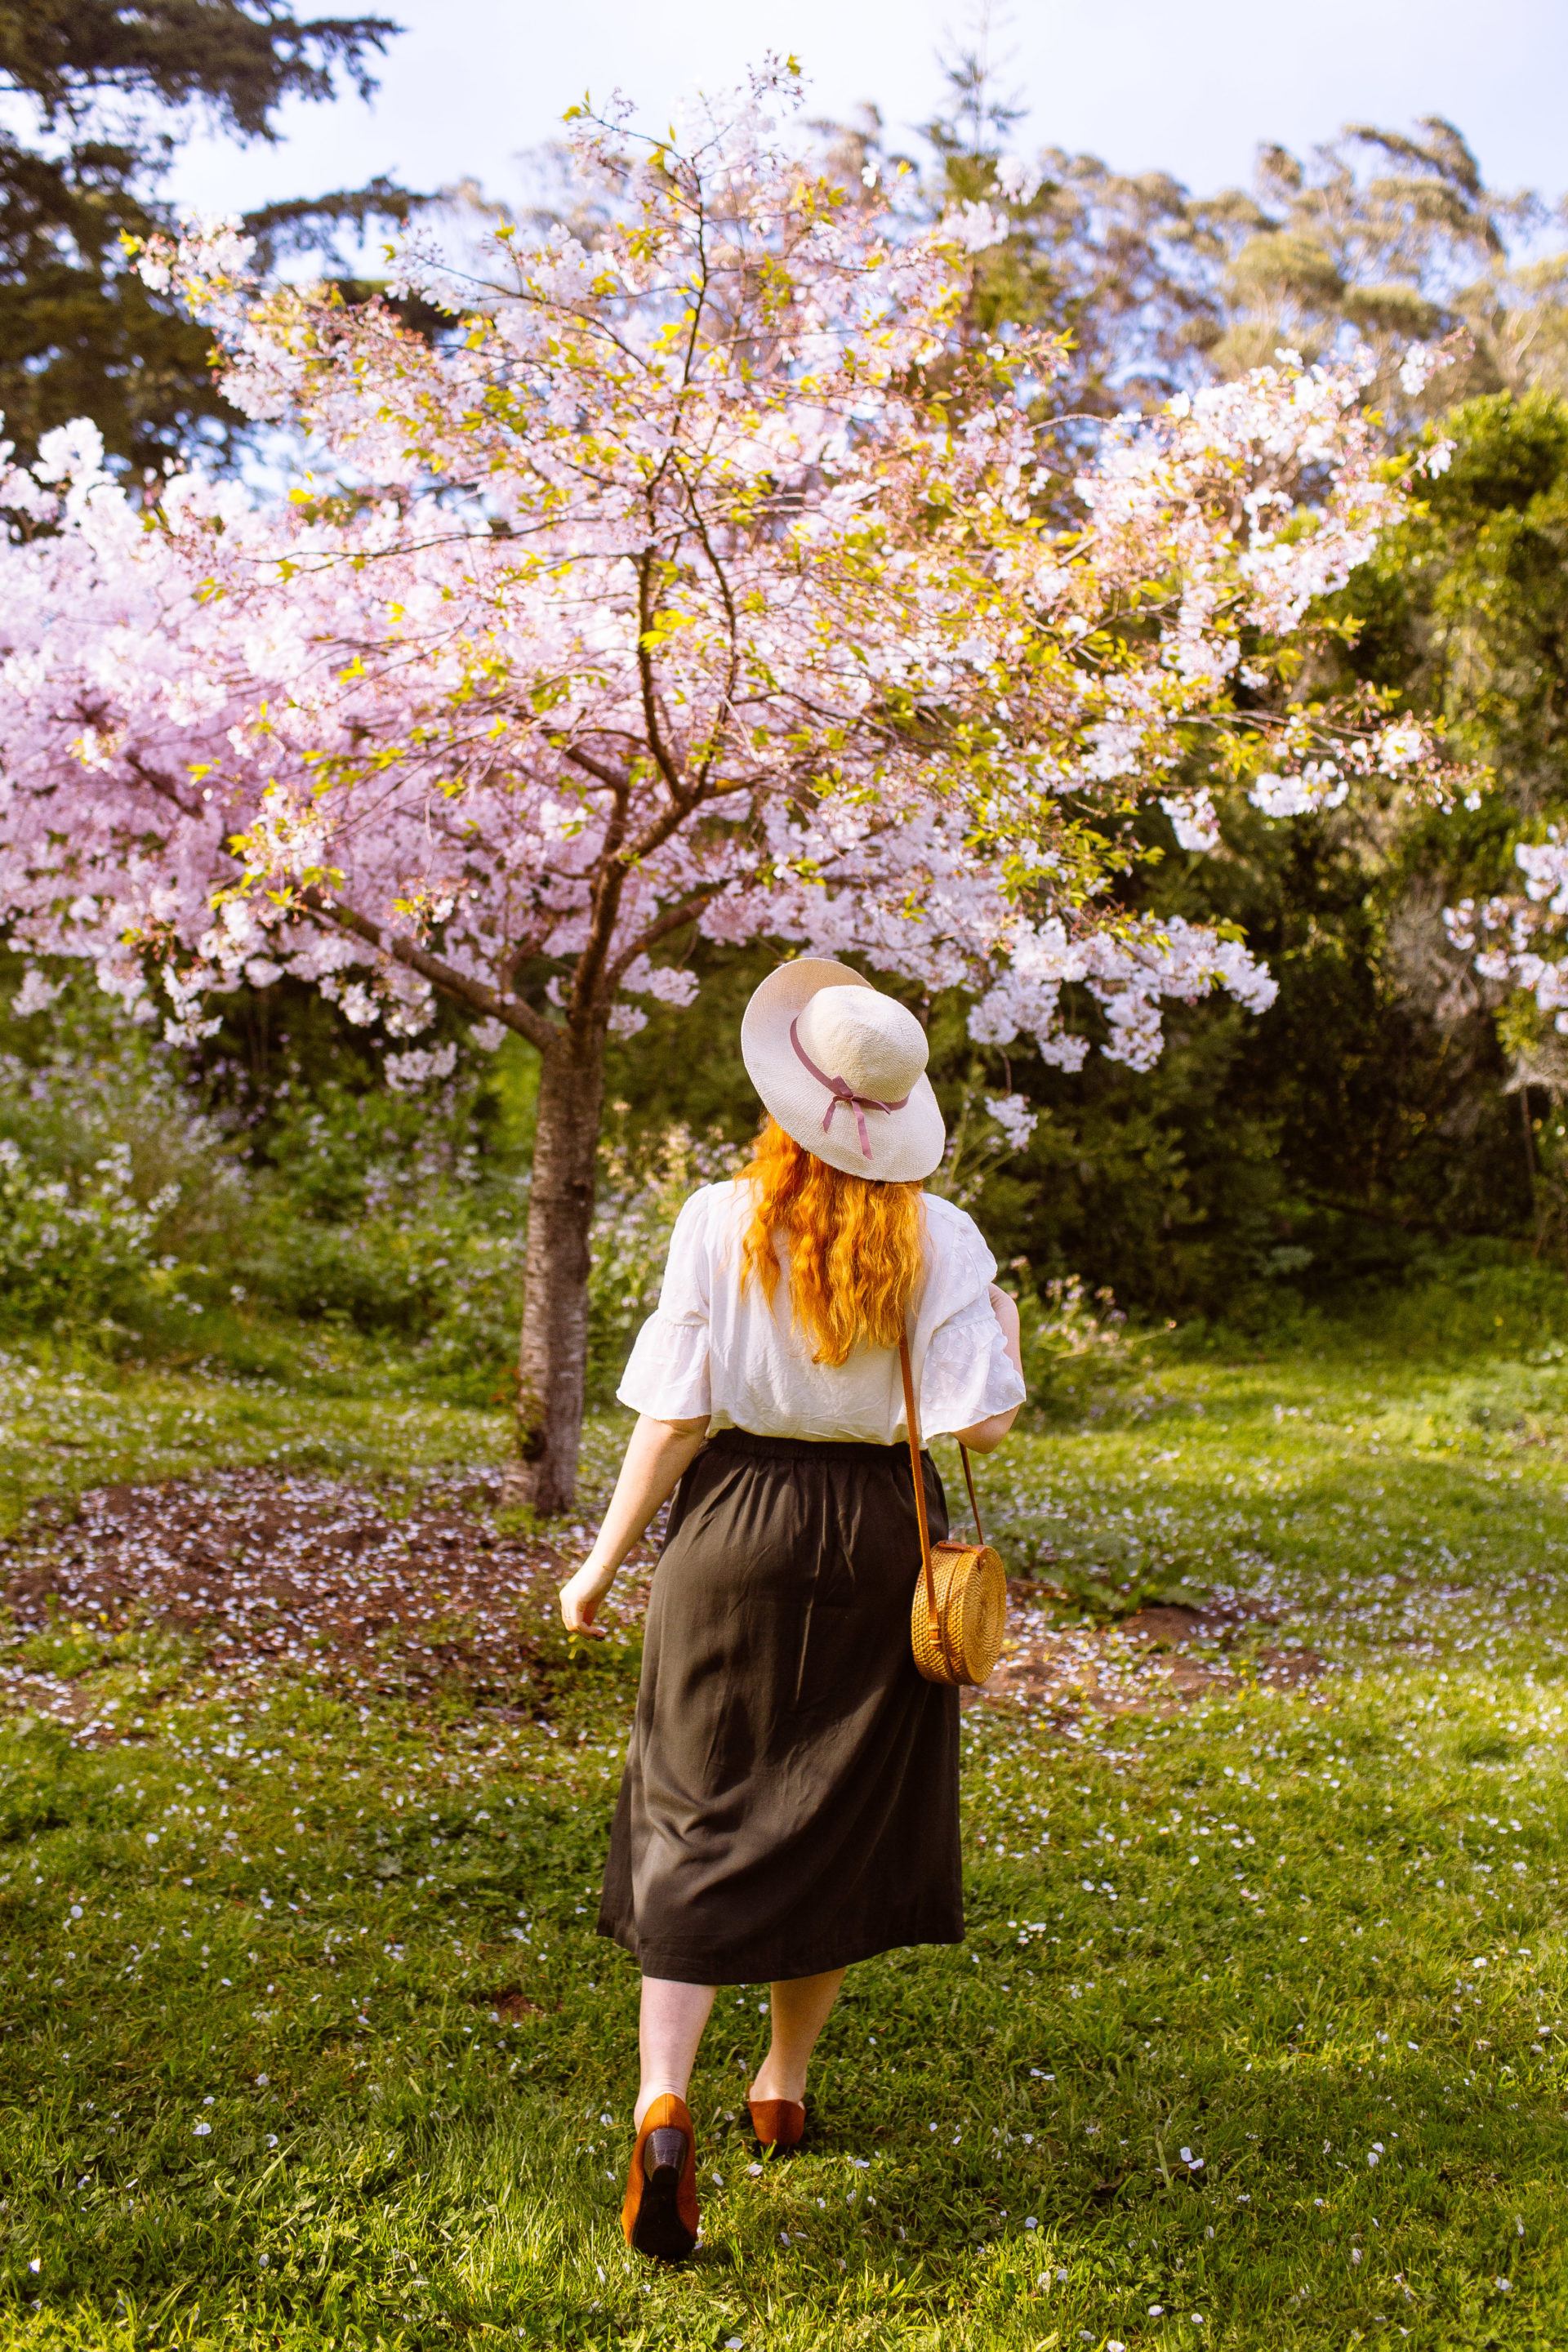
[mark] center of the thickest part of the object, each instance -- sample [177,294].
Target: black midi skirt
[790,1802]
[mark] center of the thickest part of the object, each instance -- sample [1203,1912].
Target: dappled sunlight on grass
[1255,2040]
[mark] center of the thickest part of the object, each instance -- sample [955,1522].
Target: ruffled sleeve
[667,1373]
[966,1373]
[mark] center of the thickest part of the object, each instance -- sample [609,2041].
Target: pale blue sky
[1145,83]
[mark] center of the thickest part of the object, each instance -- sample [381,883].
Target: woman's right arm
[658,1453]
[987,1434]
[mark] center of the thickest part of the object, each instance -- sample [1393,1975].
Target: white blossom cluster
[585,634]
[1519,942]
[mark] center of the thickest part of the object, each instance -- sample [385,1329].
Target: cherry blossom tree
[700,581]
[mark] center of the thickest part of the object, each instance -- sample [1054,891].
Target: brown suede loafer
[778,2122]
[659,2216]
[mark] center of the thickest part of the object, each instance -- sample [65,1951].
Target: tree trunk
[553,1356]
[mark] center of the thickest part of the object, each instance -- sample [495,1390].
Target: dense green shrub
[184,1203]
[643,1181]
[72,1251]
[112,1179]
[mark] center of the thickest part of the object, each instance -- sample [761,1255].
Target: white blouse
[713,1348]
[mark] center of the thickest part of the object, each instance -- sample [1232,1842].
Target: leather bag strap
[912,1431]
[973,1497]
[912,1427]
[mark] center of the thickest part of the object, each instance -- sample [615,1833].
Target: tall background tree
[1377,1108]
[101,93]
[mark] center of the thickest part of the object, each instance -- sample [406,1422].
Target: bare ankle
[775,2081]
[652,2090]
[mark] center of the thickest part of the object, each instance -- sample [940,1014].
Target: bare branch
[442,976]
[674,918]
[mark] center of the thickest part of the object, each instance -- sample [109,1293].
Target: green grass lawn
[1258,2039]
[72,1421]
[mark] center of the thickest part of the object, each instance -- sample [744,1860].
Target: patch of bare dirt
[509,2008]
[264,1570]
[1161,1655]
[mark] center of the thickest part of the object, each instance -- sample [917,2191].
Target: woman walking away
[790,1802]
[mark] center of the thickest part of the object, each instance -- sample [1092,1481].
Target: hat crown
[870,1041]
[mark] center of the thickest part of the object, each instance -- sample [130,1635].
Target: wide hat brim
[906,1144]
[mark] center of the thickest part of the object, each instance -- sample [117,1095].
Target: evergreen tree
[1385,237]
[102,93]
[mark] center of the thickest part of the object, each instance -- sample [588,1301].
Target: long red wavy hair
[855,1247]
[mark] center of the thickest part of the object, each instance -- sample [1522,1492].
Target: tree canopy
[103,92]
[1376,238]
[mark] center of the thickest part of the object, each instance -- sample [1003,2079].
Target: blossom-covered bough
[1519,942]
[706,579]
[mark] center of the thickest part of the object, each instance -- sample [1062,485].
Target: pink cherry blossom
[700,579]
[1518,940]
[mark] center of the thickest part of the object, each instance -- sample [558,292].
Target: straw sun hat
[842,1068]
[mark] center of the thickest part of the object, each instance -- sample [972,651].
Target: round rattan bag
[959,1612]
[956,1628]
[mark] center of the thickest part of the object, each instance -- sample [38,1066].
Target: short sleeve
[966,1373]
[667,1371]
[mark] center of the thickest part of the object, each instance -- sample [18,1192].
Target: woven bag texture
[972,1613]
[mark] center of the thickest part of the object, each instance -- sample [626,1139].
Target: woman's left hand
[581,1595]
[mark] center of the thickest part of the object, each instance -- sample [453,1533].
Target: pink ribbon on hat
[843,1092]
